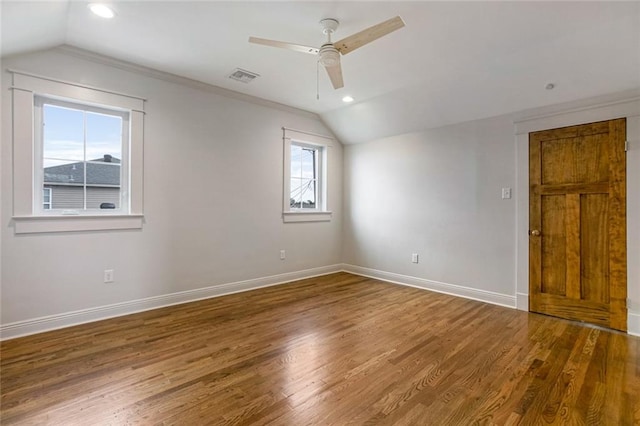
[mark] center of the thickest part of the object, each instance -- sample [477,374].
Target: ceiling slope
[453,62]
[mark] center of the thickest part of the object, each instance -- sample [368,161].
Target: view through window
[304,176]
[82,156]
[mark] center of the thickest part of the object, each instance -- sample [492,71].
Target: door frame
[586,112]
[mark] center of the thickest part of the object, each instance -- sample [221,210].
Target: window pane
[303,162]
[296,155]
[104,138]
[104,149]
[308,194]
[63,133]
[303,193]
[82,153]
[102,173]
[65,180]
[308,169]
[296,193]
[68,197]
[103,198]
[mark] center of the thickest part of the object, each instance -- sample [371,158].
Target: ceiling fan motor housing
[329,55]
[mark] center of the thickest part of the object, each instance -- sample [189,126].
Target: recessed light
[550,86]
[347,99]
[102,10]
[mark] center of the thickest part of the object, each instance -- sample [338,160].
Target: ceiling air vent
[243,75]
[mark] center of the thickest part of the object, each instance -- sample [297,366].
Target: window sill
[45,224]
[306,216]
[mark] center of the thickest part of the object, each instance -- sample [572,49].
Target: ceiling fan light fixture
[102,10]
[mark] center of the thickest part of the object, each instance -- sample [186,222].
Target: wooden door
[577,223]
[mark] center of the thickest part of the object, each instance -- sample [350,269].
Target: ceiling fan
[329,52]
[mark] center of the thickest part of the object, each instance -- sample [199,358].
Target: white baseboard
[633,323]
[67,319]
[522,302]
[440,287]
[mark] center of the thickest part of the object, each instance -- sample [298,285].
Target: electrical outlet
[414,258]
[283,254]
[108,275]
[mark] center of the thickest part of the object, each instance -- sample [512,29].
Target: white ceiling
[454,61]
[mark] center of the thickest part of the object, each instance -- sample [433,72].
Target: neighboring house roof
[102,171]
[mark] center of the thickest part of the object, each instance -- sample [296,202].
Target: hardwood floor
[333,350]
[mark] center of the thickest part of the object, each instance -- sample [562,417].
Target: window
[46,198]
[305,177]
[81,157]
[77,157]
[305,187]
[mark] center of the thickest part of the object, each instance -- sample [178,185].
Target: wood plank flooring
[334,350]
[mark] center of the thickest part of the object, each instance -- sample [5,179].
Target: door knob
[534,232]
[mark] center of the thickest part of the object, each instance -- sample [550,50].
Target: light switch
[506,193]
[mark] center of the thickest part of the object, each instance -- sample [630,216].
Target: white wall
[212,201]
[436,193]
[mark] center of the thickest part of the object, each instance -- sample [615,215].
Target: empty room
[319,213]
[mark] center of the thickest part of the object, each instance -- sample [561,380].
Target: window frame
[38,157]
[27,215]
[321,144]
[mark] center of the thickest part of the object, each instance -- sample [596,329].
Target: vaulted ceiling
[453,62]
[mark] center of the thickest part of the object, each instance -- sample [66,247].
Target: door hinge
[626,146]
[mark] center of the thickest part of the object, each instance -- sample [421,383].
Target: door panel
[577,265]
[594,247]
[554,245]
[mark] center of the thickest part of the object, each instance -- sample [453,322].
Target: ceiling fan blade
[351,43]
[335,74]
[284,45]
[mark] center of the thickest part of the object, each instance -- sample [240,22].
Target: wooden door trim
[617,200]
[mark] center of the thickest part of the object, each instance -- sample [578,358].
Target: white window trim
[321,213]
[27,215]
